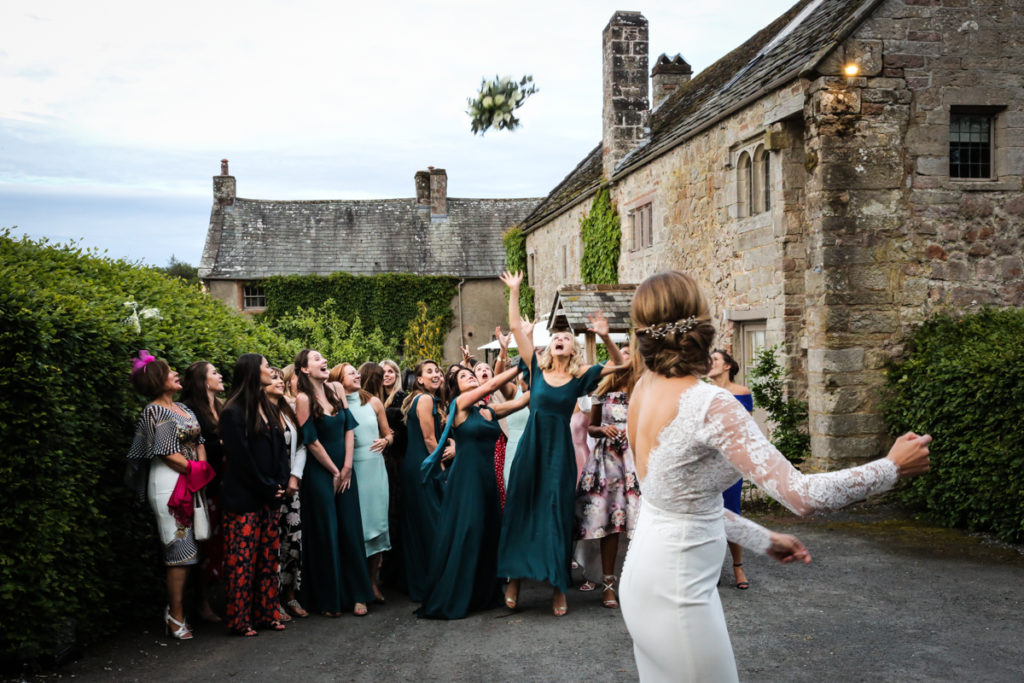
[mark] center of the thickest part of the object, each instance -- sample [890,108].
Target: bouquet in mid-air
[494,104]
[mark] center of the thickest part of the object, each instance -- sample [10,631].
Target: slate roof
[573,303]
[756,67]
[256,238]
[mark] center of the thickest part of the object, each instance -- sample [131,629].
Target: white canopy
[541,337]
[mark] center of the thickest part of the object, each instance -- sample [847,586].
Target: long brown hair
[248,393]
[371,377]
[195,395]
[286,408]
[316,410]
[418,388]
[620,380]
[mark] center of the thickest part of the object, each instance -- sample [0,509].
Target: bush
[78,557]
[389,300]
[338,340]
[788,415]
[514,242]
[963,383]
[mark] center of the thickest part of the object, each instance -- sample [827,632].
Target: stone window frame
[531,266]
[996,135]
[253,296]
[641,226]
[746,330]
[753,169]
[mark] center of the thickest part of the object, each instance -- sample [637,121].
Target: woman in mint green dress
[372,436]
[464,560]
[537,528]
[334,574]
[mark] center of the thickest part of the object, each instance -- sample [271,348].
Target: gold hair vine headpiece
[659,331]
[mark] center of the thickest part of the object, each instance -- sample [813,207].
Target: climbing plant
[424,338]
[601,232]
[325,330]
[515,260]
[389,300]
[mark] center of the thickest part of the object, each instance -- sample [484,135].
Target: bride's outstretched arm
[733,432]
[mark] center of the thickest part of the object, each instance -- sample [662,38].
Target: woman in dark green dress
[537,528]
[334,573]
[464,562]
[421,504]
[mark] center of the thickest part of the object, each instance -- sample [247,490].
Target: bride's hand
[787,549]
[910,453]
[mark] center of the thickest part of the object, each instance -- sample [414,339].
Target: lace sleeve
[748,534]
[734,433]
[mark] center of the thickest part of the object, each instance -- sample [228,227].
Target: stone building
[429,234]
[849,170]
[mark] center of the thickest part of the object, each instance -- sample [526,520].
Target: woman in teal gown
[334,573]
[537,528]
[464,561]
[421,504]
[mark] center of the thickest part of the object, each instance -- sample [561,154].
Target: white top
[712,438]
[298,453]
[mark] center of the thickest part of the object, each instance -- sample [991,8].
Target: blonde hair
[545,361]
[287,374]
[673,325]
[397,387]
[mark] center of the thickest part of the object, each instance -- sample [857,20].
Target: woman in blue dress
[464,561]
[421,504]
[334,573]
[722,373]
[537,528]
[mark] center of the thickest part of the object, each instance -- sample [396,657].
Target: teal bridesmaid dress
[421,504]
[464,562]
[537,528]
[334,572]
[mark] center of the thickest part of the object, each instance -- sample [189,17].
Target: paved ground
[886,598]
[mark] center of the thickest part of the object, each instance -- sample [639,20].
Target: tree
[182,270]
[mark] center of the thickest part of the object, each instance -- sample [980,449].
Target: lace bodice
[712,438]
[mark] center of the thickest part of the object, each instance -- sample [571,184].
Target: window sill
[981,185]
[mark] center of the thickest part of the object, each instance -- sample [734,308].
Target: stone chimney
[422,188]
[667,75]
[224,186]
[438,192]
[625,110]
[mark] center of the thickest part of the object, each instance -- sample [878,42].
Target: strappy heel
[608,584]
[742,585]
[181,632]
[560,610]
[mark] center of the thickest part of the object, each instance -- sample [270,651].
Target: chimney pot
[667,76]
[224,167]
[223,186]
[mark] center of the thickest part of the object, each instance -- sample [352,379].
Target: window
[761,181]
[751,339]
[253,296]
[642,226]
[970,144]
[743,203]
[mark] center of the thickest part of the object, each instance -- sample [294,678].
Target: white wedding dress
[668,591]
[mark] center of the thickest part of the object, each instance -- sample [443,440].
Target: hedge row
[963,383]
[77,556]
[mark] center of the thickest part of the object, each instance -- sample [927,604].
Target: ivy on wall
[515,260]
[601,232]
[389,300]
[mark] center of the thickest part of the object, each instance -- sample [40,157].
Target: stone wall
[483,308]
[892,237]
[544,250]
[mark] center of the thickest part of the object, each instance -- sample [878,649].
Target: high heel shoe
[511,596]
[608,584]
[182,632]
[560,610]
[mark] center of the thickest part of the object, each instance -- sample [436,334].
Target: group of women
[476,495]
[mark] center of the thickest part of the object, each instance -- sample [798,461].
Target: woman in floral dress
[608,496]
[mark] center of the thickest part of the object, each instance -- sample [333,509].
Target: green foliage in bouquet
[494,104]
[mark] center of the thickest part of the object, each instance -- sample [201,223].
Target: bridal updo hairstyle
[673,325]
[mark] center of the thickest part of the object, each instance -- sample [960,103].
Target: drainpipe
[462,326]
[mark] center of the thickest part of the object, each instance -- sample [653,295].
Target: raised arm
[508,389]
[733,432]
[468,398]
[508,407]
[515,322]
[599,326]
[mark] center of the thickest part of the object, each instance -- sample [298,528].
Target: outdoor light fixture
[851,70]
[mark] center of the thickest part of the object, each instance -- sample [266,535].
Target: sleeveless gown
[372,473]
[668,593]
[334,573]
[464,563]
[540,501]
[421,505]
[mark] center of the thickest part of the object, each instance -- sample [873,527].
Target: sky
[114,115]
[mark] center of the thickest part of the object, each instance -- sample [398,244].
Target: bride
[690,440]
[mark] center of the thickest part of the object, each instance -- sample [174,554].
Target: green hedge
[389,300]
[78,557]
[963,383]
